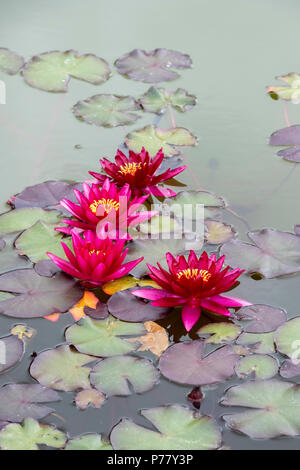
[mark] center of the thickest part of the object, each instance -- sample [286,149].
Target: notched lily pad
[21,219]
[88,442]
[290,368]
[218,232]
[156,100]
[152,66]
[107,110]
[10,61]
[289,92]
[262,318]
[260,365]
[153,139]
[52,71]
[259,343]
[287,338]
[223,332]
[111,375]
[45,195]
[177,427]
[288,136]
[89,396]
[11,352]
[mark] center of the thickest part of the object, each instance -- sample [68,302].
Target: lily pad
[185,363]
[46,195]
[103,337]
[19,401]
[88,397]
[39,239]
[62,369]
[223,332]
[276,409]
[274,254]
[263,318]
[107,110]
[156,100]
[88,442]
[28,435]
[152,66]
[52,71]
[9,258]
[11,352]
[126,282]
[177,427]
[260,343]
[153,139]
[290,92]
[46,268]
[262,366]
[128,307]
[184,205]
[156,340]
[218,232]
[290,368]
[288,136]
[10,61]
[37,296]
[287,338]
[111,375]
[21,219]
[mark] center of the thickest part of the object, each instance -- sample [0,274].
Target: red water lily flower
[95,260]
[139,170]
[107,210]
[194,284]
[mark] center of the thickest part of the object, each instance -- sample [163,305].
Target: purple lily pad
[185,363]
[46,268]
[292,154]
[20,401]
[128,307]
[2,244]
[98,313]
[11,352]
[297,229]
[289,369]
[288,136]
[37,295]
[264,318]
[152,66]
[9,258]
[10,61]
[170,163]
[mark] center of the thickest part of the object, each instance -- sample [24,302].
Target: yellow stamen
[130,168]
[108,205]
[194,273]
[97,252]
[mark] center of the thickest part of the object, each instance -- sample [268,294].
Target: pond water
[237,48]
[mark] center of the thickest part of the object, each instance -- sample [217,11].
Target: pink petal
[215,307]
[230,301]
[190,315]
[150,294]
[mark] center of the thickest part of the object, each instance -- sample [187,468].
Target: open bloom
[94,261]
[107,210]
[139,170]
[194,284]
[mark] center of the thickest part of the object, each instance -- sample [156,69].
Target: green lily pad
[290,92]
[52,71]
[21,219]
[185,203]
[111,375]
[10,62]
[88,442]
[159,224]
[28,435]
[156,100]
[9,258]
[223,332]
[218,232]
[107,110]
[260,343]
[177,428]
[62,369]
[276,409]
[103,337]
[287,338]
[89,396]
[40,238]
[263,366]
[153,139]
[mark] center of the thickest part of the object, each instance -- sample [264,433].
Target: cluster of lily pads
[120,344]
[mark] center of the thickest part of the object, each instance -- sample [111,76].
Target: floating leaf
[185,363]
[107,110]
[297,229]
[154,138]
[274,253]
[156,340]
[152,66]
[263,318]
[46,268]
[160,224]
[45,195]
[276,413]
[262,366]
[170,163]
[28,435]
[62,369]
[41,238]
[23,332]
[111,375]
[9,258]
[261,343]
[21,219]
[217,232]
[19,401]
[89,396]
[10,62]
[177,428]
[88,300]
[103,337]
[291,92]
[88,442]
[184,205]
[223,332]
[290,368]
[52,71]
[156,100]
[126,282]
[11,352]
[288,136]
[37,296]
[98,313]
[127,307]
[287,338]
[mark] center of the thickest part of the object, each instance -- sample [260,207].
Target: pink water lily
[195,284]
[94,260]
[140,171]
[108,210]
